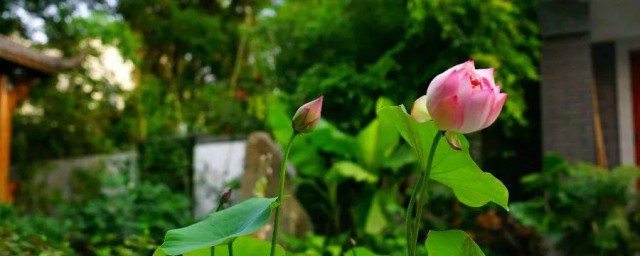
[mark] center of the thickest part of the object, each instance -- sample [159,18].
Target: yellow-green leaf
[451,243]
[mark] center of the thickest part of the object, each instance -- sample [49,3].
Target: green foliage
[374,213]
[131,221]
[340,173]
[195,60]
[85,185]
[108,29]
[330,160]
[451,242]
[241,246]
[493,33]
[376,220]
[176,29]
[212,67]
[351,50]
[453,168]
[31,234]
[360,251]
[183,55]
[72,123]
[124,220]
[209,66]
[583,209]
[314,245]
[339,245]
[10,21]
[348,170]
[219,228]
[368,149]
[76,113]
[377,141]
[167,161]
[249,246]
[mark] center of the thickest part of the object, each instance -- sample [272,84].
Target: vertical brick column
[566,73]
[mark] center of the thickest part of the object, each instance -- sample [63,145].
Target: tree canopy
[208,66]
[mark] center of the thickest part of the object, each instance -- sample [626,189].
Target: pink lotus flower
[464,99]
[307,116]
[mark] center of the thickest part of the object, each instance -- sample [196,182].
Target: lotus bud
[226,196]
[352,242]
[307,116]
[223,199]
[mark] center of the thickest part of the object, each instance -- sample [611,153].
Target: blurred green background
[185,68]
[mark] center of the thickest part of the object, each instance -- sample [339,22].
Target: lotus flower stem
[283,174]
[418,197]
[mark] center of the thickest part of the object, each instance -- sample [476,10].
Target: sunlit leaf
[376,141]
[360,251]
[279,120]
[241,246]
[402,156]
[348,170]
[376,220]
[219,228]
[451,243]
[328,138]
[306,158]
[383,102]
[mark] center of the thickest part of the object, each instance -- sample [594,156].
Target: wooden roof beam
[21,55]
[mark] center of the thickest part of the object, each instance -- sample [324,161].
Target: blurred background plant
[209,67]
[31,234]
[583,209]
[114,218]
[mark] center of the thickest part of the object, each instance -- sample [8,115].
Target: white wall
[215,164]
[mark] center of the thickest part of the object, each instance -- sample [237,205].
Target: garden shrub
[133,219]
[583,209]
[167,161]
[33,234]
[129,220]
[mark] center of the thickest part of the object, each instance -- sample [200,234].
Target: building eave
[26,57]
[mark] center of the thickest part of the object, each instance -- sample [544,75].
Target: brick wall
[565,84]
[567,110]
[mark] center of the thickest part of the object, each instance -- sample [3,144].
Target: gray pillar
[566,73]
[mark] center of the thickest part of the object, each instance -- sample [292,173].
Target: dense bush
[33,234]
[167,161]
[131,222]
[583,209]
[125,220]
